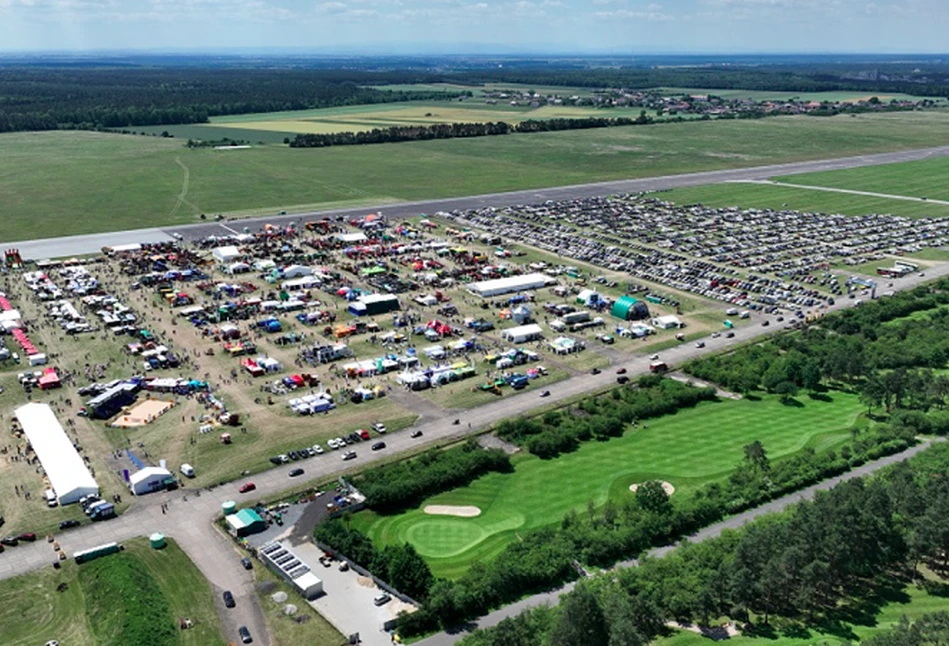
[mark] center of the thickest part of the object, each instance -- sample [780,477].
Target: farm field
[360,119]
[770,196]
[687,449]
[883,612]
[84,182]
[33,612]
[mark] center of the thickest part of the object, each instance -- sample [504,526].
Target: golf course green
[687,449]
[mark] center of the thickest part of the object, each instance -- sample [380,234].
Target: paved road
[77,245]
[734,522]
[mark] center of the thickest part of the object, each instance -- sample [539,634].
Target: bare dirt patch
[666,486]
[144,413]
[461,511]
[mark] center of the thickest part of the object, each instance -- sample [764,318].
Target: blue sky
[623,26]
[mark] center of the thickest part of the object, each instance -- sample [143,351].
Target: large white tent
[68,475]
[499,286]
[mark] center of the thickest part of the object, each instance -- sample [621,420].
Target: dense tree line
[812,566]
[458,130]
[776,78]
[889,357]
[50,99]
[927,630]
[394,487]
[600,418]
[399,565]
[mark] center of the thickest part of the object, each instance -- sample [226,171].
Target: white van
[50,497]
[187,470]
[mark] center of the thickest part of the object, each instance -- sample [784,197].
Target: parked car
[595,371]
[244,635]
[229,599]
[382,599]
[622,380]
[247,564]
[729,335]
[416,434]
[12,541]
[545,393]
[296,472]
[378,446]
[246,487]
[349,455]
[379,428]
[344,567]
[27,536]
[317,449]
[700,344]
[66,524]
[276,460]
[621,371]
[363,433]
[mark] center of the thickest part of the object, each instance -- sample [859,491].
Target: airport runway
[93,243]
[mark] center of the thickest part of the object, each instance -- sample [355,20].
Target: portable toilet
[229,507]
[157,540]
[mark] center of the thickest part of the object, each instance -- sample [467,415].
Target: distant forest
[50,99]
[35,97]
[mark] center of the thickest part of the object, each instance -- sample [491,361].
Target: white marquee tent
[68,475]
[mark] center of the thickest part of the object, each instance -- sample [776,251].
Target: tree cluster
[601,418]
[928,630]
[392,488]
[458,130]
[399,565]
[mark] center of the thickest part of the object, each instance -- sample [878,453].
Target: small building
[627,308]
[226,254]
[522,333]
[282,560]
[374,304]
[113,400]
[246,522]
[149,480]
[668,322]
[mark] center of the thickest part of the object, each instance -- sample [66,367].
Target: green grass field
[33,612]
[62,183]
[687,449]
[915,179]
[911,602]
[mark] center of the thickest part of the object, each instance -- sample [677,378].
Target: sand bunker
[666,486]
[452,510]
[148,411]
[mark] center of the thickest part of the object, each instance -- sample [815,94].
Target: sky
[479,26]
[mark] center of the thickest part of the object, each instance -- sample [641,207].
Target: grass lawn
[913,179]
[768,196]
[910,601]
[33,612]
[62,183]
[689,448]
[306,627]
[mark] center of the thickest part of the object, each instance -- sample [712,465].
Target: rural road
[189,517]
[85,244]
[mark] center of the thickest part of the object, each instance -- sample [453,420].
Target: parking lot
[348,602]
